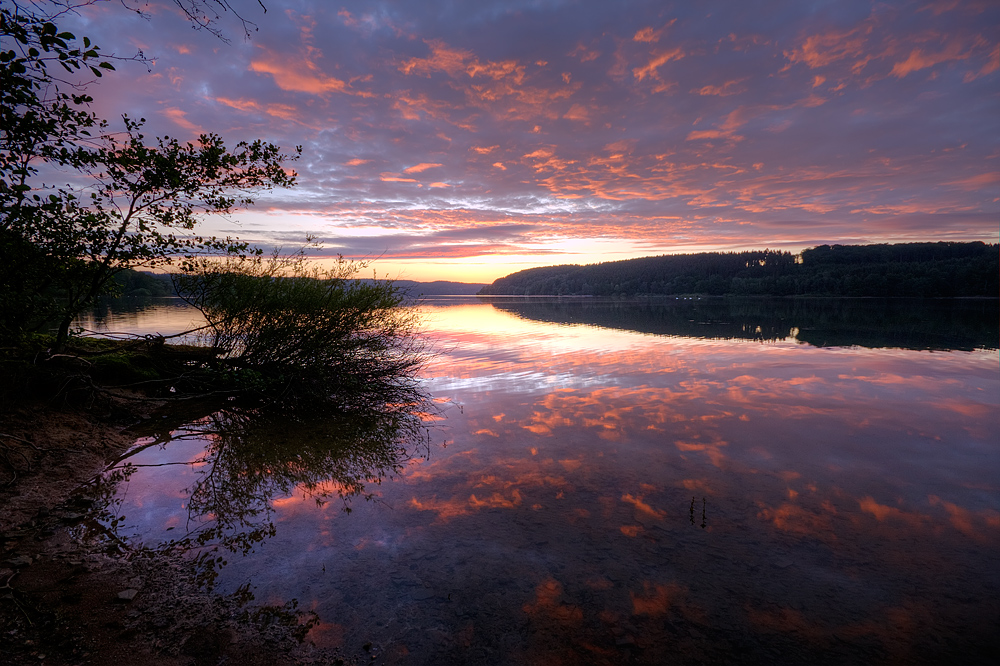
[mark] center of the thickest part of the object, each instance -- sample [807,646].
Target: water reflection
[854,495]
[704,513]
[156,315]
[964,324]
[241,464]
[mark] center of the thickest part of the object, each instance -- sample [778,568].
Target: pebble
[127,595]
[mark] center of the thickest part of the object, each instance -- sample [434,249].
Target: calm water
[608,483]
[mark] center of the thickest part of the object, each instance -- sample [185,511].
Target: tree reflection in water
[253,457]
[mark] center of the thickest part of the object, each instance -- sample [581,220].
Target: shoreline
[66,599]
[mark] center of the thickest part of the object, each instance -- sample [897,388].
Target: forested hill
[906,269]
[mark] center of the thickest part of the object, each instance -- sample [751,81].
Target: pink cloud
[423,166]
[655,62]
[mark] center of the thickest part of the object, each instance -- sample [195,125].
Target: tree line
[943,269]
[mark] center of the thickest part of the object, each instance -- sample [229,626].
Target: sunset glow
[465,141]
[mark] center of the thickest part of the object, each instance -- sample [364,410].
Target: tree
[38,123]
[203,15]
[134,203]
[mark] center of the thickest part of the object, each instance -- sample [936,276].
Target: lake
[607,482]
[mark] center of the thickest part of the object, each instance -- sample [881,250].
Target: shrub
[306,332]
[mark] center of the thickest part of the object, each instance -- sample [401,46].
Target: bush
[305,332]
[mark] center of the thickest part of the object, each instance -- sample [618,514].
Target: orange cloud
[992,64]
[179,117]
[423,166]
[577,112]
[919,60]
[643,507]
[393,178]
[965,521]
[655,599]
[647,35]
[584,54]
[825,49]
[497,501]
[657,61]
[283,111]
[445,509]
[707,134]
[456,62]
[548,604]
[973,183]
[290,74]
[726,89]
[883,513]
[798,520]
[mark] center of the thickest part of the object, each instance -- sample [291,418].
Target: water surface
[603,484]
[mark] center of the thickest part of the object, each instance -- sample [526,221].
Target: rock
[127,595]
[19,561]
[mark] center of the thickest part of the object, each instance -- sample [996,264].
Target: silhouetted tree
[134,201]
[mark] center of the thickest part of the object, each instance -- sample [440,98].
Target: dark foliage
[135,201]
[909,269]
[293,332]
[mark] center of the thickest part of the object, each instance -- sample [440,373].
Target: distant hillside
[906,269]
[143,284]
[440,288]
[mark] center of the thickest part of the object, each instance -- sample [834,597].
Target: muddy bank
[72,595]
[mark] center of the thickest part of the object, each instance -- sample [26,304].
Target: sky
[468,140]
